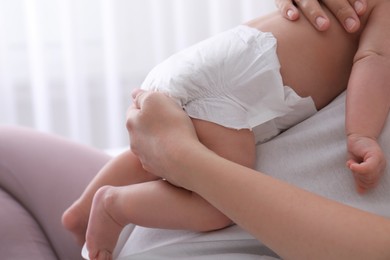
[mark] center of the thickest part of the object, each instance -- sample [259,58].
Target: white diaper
[232,79]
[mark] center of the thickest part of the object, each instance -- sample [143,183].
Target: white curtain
[68,66]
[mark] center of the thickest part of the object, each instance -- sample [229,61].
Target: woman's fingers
[346,11]
[311,9]
[287,9]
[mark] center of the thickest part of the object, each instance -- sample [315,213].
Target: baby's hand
[366,161]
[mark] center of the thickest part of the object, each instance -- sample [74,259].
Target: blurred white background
[68,66]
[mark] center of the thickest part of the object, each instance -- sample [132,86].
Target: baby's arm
[368,100]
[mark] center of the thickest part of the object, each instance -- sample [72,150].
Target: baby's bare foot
[75,219]
[103,229]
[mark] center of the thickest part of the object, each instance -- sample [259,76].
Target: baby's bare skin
[305,60]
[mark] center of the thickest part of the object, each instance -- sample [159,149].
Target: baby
[243,87]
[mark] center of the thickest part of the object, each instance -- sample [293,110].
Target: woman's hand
[160,132]
[346,11]
[367,161]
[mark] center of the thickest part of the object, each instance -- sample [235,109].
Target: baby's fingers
[366,174]
[365,182]
[363,168]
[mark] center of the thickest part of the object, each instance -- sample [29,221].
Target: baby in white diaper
[232,79]
[230,85]
[240,87]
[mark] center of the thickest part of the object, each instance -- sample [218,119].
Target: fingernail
[358,6]
[320,21]
[290,13]
[350,23]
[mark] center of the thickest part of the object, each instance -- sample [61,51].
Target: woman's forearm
[294,223]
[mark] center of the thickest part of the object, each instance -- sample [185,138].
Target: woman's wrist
[184,161]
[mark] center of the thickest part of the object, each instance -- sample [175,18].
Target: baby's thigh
[235,145]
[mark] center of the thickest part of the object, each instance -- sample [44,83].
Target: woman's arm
[346,11]
[294,223]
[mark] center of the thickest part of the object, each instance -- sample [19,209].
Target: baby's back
[316,64]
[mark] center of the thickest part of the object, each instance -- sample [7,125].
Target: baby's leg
[122,170]
[235,145]
[158,204]
[155,204]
